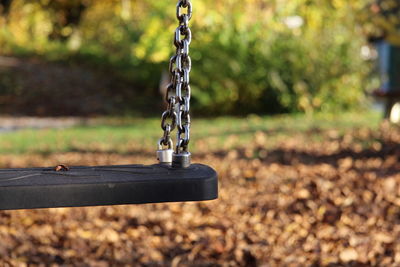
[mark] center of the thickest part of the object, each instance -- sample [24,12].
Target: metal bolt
[181,160]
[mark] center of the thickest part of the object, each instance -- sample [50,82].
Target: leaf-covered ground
[318,196]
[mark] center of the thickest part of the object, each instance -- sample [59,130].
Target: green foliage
[247,55]
[381,19]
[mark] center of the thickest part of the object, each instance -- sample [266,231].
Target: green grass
[127,135]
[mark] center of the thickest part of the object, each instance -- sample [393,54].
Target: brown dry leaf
[348,254]
[298,203]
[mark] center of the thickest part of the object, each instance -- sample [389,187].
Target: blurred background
[288,101]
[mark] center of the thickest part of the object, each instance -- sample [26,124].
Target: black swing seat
[105,185]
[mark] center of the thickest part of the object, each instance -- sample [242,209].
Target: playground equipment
[173,179]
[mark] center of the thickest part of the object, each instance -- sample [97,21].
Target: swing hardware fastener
[61,167]
[164,156]
[181,160]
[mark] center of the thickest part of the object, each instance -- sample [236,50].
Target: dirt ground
[335,202]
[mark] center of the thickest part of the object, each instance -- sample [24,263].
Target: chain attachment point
[164,155]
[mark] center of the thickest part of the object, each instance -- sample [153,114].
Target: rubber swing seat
[32,188]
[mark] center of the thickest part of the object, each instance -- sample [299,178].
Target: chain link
[178,91]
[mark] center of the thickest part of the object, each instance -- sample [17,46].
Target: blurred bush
[381,20]
[263,56]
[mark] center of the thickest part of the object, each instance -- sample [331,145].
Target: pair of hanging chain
[183,66]
[178,91]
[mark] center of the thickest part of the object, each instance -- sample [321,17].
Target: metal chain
[178,91]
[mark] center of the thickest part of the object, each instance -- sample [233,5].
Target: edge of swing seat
[105,185]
